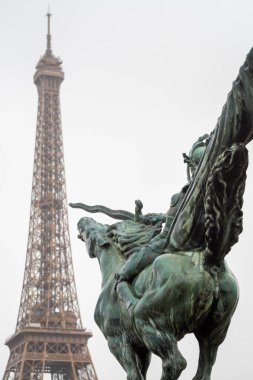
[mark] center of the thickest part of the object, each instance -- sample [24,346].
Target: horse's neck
[110,261]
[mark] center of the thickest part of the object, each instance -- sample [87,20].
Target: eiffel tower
[49,341]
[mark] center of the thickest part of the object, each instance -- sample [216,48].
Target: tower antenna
[49,50]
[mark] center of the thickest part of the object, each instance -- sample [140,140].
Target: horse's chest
[107,315]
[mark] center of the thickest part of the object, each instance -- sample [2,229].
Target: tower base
[62,354]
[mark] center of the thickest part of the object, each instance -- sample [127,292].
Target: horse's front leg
[122,349]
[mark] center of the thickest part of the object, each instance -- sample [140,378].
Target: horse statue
[165,275]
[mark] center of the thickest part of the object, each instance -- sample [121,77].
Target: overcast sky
[143,80]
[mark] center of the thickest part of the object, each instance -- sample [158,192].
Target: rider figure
[143,257]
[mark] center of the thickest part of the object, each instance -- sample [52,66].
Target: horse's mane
[129,235]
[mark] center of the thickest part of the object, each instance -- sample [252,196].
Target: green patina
[164,275]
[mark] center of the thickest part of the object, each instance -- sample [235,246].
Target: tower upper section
[49,68]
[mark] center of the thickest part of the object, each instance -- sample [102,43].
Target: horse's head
[93,234]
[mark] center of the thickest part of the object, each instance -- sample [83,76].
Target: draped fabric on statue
[235,125]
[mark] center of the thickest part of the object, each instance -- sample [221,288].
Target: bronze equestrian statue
[165,275]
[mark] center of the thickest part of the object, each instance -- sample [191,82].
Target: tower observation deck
[49,337]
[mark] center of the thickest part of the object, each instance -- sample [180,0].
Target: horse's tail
[115,214]
[223,203]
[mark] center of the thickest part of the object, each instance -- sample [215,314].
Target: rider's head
[196,153]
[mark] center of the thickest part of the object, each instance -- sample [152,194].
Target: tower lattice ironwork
[49,341]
